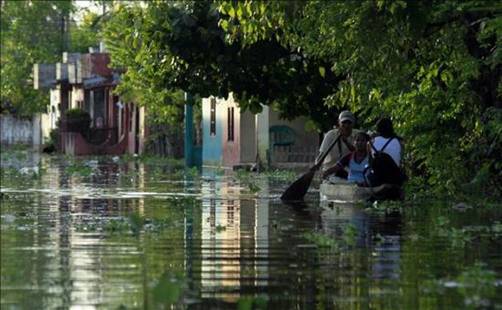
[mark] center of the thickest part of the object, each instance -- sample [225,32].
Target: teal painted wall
[211,144]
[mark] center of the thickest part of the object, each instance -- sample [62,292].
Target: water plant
[79,168]
[350,234]
[248,179]
[281,175]
[169,289]
[321,240]
[252,302]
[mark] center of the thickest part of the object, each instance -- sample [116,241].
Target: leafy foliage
[37,32]
[85,34]
[133,37]
[31,33]
[433,66]
[169,46]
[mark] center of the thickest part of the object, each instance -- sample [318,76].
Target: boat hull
[350,192]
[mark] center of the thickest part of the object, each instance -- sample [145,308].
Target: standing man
[343,146]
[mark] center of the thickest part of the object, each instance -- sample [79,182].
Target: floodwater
[127,234]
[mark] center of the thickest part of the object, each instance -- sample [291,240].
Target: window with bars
[230,124]
[212,118]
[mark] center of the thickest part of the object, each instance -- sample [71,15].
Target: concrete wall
[54,110]
[251,135]
[248,137]
[76,98]
[231,149]
[46,122]
[302,137]
[242,149]
[14,130]
[212,144]
[136,139]
[262,127]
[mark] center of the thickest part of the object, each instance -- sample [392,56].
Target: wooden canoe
[343,191]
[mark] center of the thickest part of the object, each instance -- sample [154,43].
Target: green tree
[31,32]
[168,46]
[433,66]
[85,34]
[133,39]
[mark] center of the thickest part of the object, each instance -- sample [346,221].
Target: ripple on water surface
[133,236]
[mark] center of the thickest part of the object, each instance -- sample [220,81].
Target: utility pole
[188,130]
[65,31]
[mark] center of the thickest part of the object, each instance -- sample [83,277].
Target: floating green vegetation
[252,302]
[497,229]
[219,171]
[182,202]
[192,172]
[220,228]
[470,194]
[248,179]
[79,168]
[281,175]
[22,175]
[137,222]
[476,285]
[15,152]
[132,224]
[253,188]
[385,207]
[321,240]
[153,160]
[350,234]
[169,289]
[241,174]
[16,147]
[458,237]
[116,225]
[156,173]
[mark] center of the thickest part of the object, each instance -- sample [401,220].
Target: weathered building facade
[86,82]
[235,138]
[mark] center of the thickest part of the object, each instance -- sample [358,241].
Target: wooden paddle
[297,190]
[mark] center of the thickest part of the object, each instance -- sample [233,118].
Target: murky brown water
[112,234]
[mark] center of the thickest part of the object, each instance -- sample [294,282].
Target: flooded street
[124,233]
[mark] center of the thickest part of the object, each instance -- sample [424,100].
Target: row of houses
[234,138]
[230,137]
[86,82]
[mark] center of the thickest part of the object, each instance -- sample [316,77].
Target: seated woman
[356,161]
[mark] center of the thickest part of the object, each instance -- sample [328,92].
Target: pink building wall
[96,64]
[231,149]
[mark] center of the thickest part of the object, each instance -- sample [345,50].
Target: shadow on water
[97,232]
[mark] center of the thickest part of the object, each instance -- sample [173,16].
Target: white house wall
[262,128]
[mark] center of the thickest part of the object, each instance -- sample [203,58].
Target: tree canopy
[180,45]
[30,33]
[432,66]
[37,32]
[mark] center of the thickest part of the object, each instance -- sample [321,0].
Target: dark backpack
[383,169]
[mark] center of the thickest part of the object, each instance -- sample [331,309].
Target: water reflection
[127,235]
[380,237]
[234,241]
